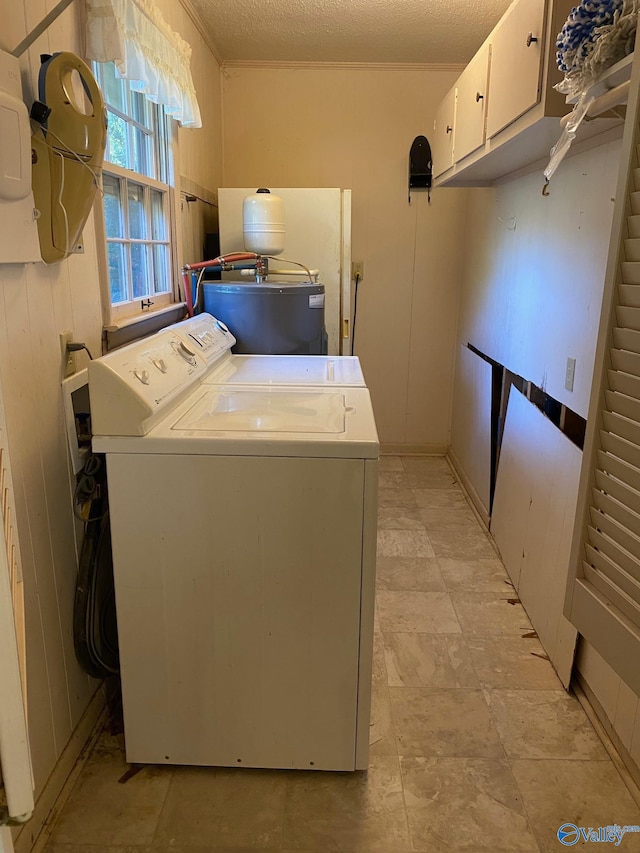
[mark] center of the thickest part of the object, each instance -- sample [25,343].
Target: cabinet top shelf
[609,79]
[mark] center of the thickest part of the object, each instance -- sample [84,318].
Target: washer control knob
[222,327]
[186,353]
[160,363]
[142,375]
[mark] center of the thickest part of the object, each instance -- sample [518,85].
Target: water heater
[263,223]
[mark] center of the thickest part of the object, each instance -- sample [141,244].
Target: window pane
[137,214]
[143,160]
[161,278]
[158,219]
[112,206]
[117,272]
[117,145]
[113,87]
[138,110]
[140,270]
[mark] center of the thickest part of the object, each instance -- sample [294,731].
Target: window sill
[132,328]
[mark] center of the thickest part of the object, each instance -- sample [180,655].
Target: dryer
[244,533]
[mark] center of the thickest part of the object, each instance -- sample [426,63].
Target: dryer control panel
[207,336]
[134,387]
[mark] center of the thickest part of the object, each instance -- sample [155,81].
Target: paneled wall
[310,126]
[530,298]
[36,303]
[534,271]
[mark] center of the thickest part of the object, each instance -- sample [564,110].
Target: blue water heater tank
[270,318]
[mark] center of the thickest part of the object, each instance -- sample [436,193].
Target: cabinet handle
[531,38]
[449,128]
[479,97]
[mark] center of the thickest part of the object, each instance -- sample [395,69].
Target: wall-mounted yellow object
[67,152]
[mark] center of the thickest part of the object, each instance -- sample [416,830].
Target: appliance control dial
[222,327]
[183,350]
[160,363]
[142,376]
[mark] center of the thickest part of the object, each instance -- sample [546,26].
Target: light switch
[570,374]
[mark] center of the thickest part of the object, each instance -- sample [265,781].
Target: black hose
[95,635]
[355,314]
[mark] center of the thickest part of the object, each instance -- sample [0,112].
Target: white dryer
[243,522]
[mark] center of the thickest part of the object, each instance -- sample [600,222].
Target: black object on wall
[420,166]
[567,421]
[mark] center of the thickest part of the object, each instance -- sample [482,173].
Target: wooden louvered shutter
[603,596]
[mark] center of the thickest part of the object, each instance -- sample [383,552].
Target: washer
[202,334]
[244,532]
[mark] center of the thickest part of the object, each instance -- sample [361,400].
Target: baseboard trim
[467,485]
[33,836]
[400,449]
[625,765]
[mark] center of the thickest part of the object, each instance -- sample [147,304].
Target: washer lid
[246,410]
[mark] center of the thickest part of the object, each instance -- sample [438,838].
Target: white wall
[532,284]
[36,303]
[39,302]
[534,271]
[531,297]
[311,126]
[619,705]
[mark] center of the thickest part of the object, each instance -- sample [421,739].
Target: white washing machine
[201,334]
[243,523]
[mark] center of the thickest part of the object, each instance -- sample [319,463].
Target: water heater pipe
[221,261]
[311,274]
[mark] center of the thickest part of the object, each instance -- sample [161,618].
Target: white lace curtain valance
[134,35]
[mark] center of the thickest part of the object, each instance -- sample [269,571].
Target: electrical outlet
[570,374]
[68,358]
[357,269]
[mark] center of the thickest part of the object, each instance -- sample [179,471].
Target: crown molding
[342,66]
[196,20]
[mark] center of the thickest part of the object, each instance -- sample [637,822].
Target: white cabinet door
[516,63]
[442,143]
[472,105]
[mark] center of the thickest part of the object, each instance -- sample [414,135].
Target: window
[138,199]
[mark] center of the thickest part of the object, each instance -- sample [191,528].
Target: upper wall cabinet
[472,94]
[442,148]
[517,51]
[512,120]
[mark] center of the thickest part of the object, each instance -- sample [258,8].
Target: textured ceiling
[412,31]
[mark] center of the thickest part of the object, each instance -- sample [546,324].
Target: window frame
[116,315]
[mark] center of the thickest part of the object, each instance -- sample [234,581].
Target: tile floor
[475,746]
